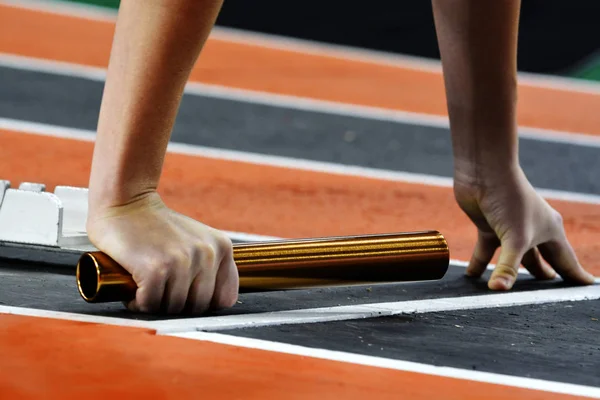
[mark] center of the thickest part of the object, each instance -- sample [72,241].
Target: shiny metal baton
[296,264]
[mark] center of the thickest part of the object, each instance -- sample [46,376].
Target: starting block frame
[50,227]
[44,227]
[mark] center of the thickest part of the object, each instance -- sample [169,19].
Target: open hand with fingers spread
[478,46]
[177,263]
[510,214]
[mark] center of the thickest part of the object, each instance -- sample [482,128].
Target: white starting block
[36,225]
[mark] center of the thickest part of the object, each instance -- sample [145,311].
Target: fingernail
[473,272]
[506,282]
[470,274]
[501,283]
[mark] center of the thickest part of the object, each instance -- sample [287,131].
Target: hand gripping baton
[296,264]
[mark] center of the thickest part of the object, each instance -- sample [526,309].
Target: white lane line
[309,47]
[399,365]
[353,312]
[283,162]
[293,102]
[53,67]
[96,319]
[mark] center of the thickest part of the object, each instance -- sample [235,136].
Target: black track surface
[236,125]
[558,342]
[49,288]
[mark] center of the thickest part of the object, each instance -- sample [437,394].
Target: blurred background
[557,37]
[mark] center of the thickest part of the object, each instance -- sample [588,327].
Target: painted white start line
[328,314]
[361,311]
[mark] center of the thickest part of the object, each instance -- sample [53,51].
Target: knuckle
[161,266]
[208,254]
[520,242]
[223,243]
[159,269]
[557,218]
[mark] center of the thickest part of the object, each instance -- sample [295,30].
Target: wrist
[484,148]
[486,174]
[104,208]
[111,194]
[121,177]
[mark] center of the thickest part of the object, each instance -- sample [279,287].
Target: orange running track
[285,202]
[44,358]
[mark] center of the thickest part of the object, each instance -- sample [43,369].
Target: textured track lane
[32,286]
[235,125]
[283,201]
[558,342]
[317,74]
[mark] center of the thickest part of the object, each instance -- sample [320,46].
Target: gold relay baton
[296,264]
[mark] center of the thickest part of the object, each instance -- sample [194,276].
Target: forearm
[155,46]
[478,42]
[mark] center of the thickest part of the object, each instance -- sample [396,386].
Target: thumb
[507,268]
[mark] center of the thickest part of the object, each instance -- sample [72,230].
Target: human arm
[478,45]
[176,262]
[155,46]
